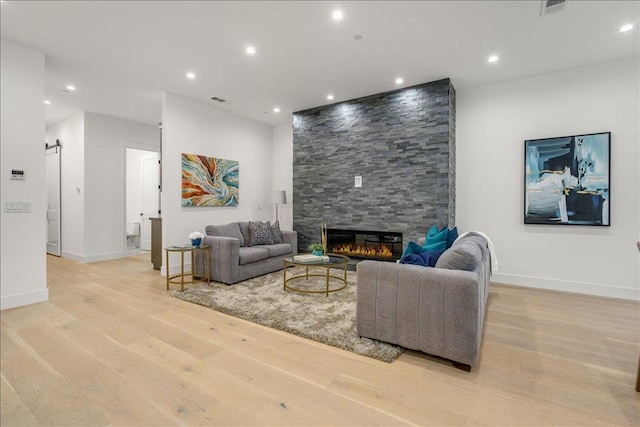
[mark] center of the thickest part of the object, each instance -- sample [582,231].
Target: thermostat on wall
[17,174]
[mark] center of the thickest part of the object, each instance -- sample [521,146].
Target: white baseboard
[19,300]
[94,258]
[567,286]
[175,269]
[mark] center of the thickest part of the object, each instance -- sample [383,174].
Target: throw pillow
[277,234]
[437,246]
[452,236]
[260,233]
[438,237]
[412,248]
[425,259]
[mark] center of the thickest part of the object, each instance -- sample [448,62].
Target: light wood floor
[111,347]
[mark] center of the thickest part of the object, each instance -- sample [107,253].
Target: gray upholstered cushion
[227,230]
[244,229]
[464,256]
[277,249]
[251,255]
[261,233]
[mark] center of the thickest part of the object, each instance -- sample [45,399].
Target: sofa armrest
[434,310]
[291,237]
[225,258]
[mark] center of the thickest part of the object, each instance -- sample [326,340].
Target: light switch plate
[358,181]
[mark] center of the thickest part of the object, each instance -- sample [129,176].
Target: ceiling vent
[550,6]
[215,98]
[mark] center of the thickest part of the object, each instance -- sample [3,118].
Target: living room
[492,121]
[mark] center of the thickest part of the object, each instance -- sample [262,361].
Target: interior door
[150,199]
[53,200]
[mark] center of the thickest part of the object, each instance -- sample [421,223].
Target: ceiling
[122,55]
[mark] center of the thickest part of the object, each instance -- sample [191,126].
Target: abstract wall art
[208,181]
[567,180]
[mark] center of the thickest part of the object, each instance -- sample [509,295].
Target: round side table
[195,277]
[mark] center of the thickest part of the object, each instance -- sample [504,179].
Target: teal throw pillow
[437,246]
[432,232]
[411,249]
[440,236]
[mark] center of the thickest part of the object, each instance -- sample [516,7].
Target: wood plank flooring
[111,347]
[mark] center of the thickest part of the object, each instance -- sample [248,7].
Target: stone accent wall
[402,143]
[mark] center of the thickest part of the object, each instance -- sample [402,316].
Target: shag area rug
[326,319]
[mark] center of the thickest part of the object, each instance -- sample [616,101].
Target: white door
[53,200]
[150,197]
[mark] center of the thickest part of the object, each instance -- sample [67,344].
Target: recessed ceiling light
[70,88]
[493,58]
[46,101]
[399,81]
[330,97]
[276,110]
[250,50]
[191,75]
[626,28]
[337,15]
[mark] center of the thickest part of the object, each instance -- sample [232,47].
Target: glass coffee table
[335,261]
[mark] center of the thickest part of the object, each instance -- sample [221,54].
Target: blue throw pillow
[425,259]
[453,235]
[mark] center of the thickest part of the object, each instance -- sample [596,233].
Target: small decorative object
[316,249]
[567,180]
[196,238]
[323,237]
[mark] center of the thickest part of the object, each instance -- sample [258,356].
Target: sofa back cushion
[227,230]
[461,256]
[244,229]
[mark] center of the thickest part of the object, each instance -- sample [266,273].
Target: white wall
[492,124]
[93,182]
[106,139]
[192,127]
[22,137]
[70,132]
[282,163]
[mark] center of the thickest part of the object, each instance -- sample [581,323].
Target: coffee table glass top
[334,259]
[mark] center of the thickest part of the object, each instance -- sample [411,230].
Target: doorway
[142,198]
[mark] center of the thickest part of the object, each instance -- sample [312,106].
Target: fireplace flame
[383,251]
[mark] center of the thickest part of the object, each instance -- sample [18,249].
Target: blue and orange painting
[567,180]
[208,181]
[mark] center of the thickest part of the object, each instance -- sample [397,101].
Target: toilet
[133,233]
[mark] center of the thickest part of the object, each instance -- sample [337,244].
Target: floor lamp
[278,197]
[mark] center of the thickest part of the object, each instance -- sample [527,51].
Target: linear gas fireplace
[363,244]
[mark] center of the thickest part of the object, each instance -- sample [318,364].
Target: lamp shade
[278,197]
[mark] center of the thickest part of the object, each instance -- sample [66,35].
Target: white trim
[567,286]
[20,300]
[175,268]
[94,258]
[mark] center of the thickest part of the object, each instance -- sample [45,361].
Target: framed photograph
[209,181]
[566,180]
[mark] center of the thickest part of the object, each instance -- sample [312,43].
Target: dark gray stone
[402,143]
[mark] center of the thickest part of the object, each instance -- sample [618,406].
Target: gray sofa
[233,260]
[437,310]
